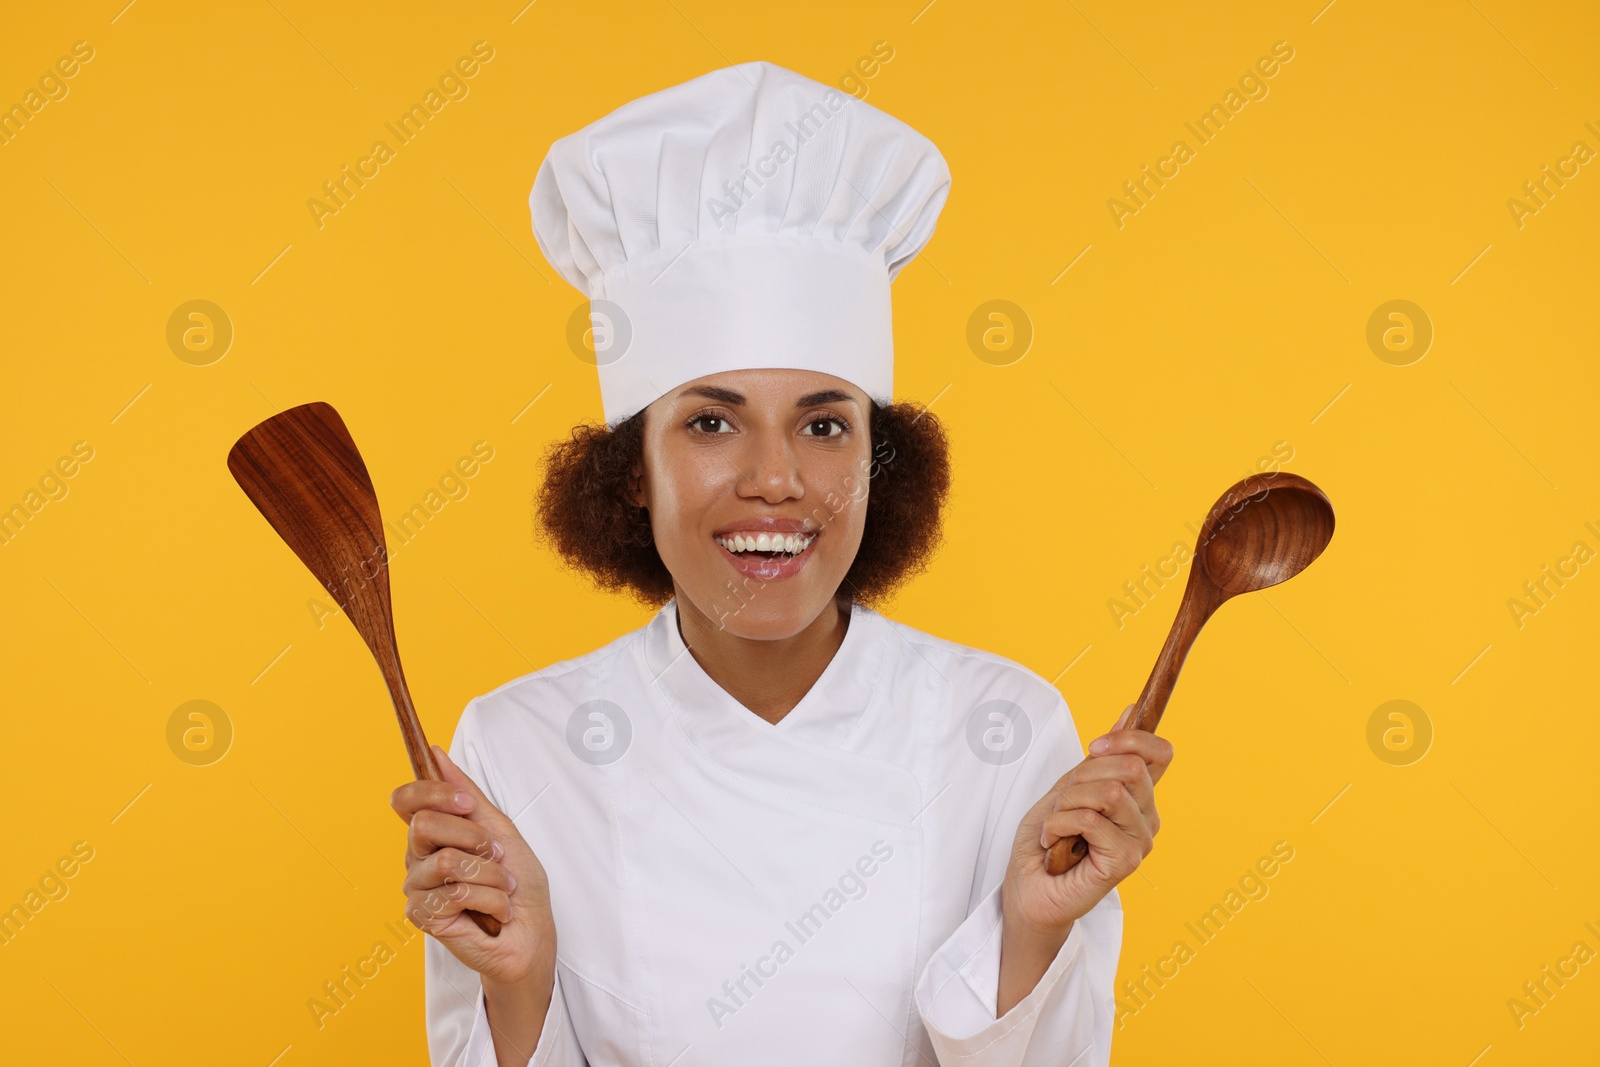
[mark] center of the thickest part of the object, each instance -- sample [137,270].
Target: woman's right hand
[463,854]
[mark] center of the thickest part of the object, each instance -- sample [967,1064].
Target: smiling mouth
[766,545]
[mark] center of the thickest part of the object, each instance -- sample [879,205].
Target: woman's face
[738,456]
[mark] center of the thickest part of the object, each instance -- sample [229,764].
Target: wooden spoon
[1264,530]
[303,471]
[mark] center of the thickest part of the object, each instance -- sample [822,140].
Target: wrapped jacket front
[824,890]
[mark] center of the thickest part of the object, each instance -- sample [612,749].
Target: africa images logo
[999,732]
[599,732]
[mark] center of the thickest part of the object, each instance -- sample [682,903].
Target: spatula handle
[423,765]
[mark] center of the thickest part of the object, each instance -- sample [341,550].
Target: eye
[825,426]
[707,423]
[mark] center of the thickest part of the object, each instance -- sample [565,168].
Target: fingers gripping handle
[427,770]
[1193,612]
[1065,853]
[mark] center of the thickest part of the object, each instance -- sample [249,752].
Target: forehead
[764,387]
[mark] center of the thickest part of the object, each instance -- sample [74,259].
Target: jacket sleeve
[457,1019]
[1068,1017]
[458,1023]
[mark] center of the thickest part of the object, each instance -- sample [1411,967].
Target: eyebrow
[736,399]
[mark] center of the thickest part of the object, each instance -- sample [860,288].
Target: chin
[769,613]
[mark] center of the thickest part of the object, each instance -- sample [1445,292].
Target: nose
[770,470]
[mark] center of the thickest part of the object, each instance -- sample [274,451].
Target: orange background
[1221,327]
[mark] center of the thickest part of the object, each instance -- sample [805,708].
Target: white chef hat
[750,217]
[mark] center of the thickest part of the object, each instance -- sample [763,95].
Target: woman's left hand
[1108,799]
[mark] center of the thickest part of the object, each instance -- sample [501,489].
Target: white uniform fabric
[750,217]
[823,891]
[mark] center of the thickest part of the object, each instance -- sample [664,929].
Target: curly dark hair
[583,510]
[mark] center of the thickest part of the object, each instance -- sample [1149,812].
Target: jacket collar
[813,752]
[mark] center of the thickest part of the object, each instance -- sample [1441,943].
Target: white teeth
[792,544]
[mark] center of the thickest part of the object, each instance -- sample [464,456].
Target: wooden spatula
[303,471]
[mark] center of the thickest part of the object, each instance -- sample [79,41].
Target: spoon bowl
[1257,537]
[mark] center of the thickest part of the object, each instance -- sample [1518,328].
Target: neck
[769,677]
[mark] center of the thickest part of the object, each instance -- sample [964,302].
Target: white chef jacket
[819,892]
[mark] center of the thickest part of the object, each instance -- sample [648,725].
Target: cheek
[843,505]
[853,525]
[681,490]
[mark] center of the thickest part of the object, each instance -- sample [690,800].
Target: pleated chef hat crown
[750,217]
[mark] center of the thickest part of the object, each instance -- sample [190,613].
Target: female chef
[772,826]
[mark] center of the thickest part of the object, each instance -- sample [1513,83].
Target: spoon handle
[1200,600]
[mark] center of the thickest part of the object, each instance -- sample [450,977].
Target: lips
[773,561]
